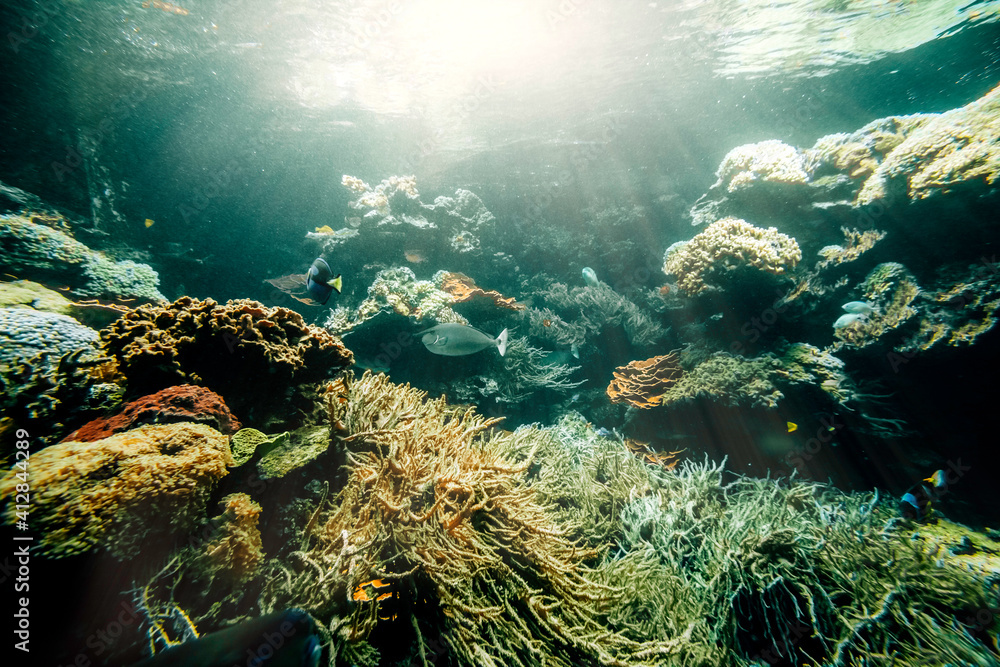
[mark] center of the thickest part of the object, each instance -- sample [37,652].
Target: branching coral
[643,383]
[728,379]
[136,488]
[437,508]
[231,348]
[594,309]
[725,245]
[184,403]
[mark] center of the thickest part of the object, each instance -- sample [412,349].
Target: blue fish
[321,282]
[858,307]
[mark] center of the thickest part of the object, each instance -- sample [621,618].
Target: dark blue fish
[321,282]
[282,639]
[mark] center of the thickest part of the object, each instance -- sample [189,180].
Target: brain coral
[728,244]
[143,486]
[185,403]
[241,349]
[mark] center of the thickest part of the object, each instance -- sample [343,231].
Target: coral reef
[770,161]
[892,290]
[51,252]
[25,333]
[434,506]
[946,151]
[28,294]
[247,441]
[464,289]
[131,490]
[642,384]
[398,290]
[184,403]
[240,349]
[234,552]
[728,379]
[725,245]
[801,363]
[594,310]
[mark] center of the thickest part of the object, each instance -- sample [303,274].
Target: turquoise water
[790,206]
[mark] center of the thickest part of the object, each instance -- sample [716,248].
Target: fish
[792,426]
[289,638]
[590,277]
[325,229]
[939,479]
[918,500]
[458,340]
[321,282]
[562,357]
[149,222]
[848,319]
[665,290]
[858,307]
[414,256]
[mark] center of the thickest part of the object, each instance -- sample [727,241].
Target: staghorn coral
[948,150]
[184,403]
[240,349]
[726,245]
[642,384]
[136,488]
[770,161]
[436,506]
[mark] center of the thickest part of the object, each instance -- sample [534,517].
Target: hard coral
[771,160]
[140,487]
[241,349]
[643,383]
[958,147]
[185,403]
[464,288]
[727,244]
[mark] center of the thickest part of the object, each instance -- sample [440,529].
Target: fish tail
[502,342]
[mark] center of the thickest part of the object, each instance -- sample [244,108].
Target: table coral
[725,245]
[643,383]
[241,349]
[772,161]
[184,403]
[145,486]
[958,147]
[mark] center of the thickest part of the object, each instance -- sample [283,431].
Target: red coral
[186,403]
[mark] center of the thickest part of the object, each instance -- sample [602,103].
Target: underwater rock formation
[184,403]
[726,245]
[240,349]
[642,384]
[124,493]
[47,251]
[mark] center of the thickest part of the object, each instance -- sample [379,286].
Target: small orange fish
[665,290]
[546,323]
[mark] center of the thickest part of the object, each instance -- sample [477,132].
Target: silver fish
[457,340]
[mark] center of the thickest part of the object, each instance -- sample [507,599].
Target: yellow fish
[149,223]
[792,426]
[325,229]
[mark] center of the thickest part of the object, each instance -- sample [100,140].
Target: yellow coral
[136,488]
[771,160]
[730,239]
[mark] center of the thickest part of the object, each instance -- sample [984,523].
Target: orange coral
[146,486]
[666,460]
[464,288]
[643,383]
[236,548]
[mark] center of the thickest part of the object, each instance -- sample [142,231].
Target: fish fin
[502,342]
[336,283]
